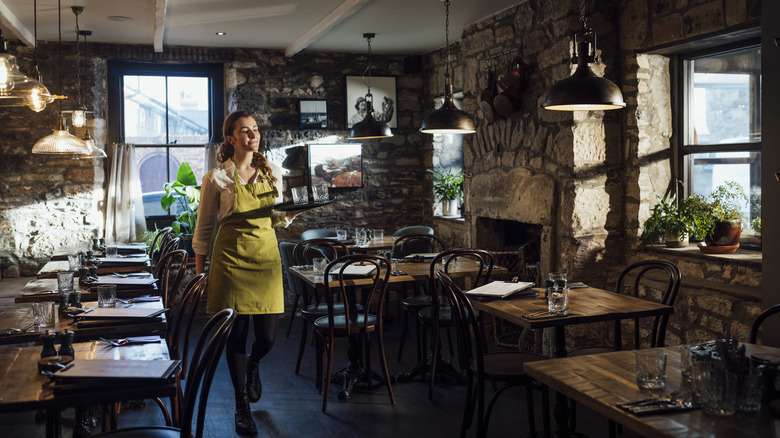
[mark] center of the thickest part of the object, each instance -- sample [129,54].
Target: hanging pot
[487,96]
[513,84]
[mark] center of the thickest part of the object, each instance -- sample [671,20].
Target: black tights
[235,350]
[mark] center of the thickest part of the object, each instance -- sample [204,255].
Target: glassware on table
[557,279]
[319,264]
[749,391]
[378,235]
[112,251]
[557,300]
[687,358]
[64,281]
[718,389]
[320,192]
[651,369]
[300,195]
[106,295]
[361,236]
[341,234]
[43,313]
[74,263]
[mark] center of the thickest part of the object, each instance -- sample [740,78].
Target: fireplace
[516,245]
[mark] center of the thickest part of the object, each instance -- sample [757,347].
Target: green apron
[246,269]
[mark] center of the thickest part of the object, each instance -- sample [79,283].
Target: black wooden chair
[483,366]
[174,261]
[760,320]
[204,360]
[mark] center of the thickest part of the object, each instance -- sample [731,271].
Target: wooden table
[600,381]
[21,318]
[44,289]
[25,389]
[51,268]
[374,245]
[586,305]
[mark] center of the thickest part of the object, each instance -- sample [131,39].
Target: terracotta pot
[724,234]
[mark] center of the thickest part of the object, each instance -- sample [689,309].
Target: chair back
[760,320]
[204,360]
[414,229]
[305,251]
[286,252]
[168,289]
[468,330]
[320,233]
[155,250]
[669,274]
[345,290]
[416,244]
[182,319]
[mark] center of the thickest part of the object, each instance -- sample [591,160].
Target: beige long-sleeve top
[217,196]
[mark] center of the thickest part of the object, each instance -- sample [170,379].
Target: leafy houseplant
[726,203]
[186,192]
[448,187]
[667,222]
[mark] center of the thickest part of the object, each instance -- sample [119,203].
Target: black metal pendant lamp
[369,127]
[448,119]
[583,90]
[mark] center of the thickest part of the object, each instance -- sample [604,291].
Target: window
[169,112]
[721,135]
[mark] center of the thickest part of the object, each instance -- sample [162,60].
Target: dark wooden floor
[291,406]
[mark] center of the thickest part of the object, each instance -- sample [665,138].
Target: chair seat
[506,366]
[445,316]
[340,323]
[416,302]
[584,351]
[314,311]
[143,432]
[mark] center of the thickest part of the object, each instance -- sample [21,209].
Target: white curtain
[211,155]
[125,220]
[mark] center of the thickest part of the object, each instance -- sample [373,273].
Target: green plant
[184,191]
[447,184]
[723,205]
[666,219]
[755,225]
[148,236]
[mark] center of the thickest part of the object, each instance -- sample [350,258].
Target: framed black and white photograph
[337,165]
[383,92]
[312,114]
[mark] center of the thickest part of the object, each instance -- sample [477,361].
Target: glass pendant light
[60,141]
[79,113]
[95,152]
[583,90]
[369,127]
[39,95]
[448,119]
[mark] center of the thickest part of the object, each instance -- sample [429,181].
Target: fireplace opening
[516,245]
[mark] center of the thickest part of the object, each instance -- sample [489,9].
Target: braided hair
[226,150]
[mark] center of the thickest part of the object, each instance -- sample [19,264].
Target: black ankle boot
[245,425]
[254,388]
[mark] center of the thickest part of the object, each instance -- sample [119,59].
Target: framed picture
[383,91]
[337,165]
[312,114]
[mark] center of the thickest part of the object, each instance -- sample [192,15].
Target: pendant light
[369,127]
[94,151]
[60,141]
[448,119]
[39,95]
[584,91]
[79,113]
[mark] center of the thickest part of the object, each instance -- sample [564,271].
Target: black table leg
[561,411]
[53,423]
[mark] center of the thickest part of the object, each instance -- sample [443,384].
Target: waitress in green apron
[246,270]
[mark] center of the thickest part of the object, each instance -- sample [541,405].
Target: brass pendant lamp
[94,151]
[369,127]
[583,90]
[79,113]
[448,119]
[60,141]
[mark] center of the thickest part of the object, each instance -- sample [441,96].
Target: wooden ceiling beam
[12,23]
[160,12]
[343,11]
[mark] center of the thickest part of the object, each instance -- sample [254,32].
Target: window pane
[152,168]
[144,109]
[194,156]
[188,110]
[725,104]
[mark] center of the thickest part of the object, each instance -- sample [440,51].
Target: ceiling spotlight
[221,33]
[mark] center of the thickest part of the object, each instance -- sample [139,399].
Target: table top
[600,381]
[586,305]
[50,269]
[41,290]
[24,387]
[374,245]
[22,317]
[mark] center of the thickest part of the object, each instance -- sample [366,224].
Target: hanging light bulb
[583,90]
[369,127]
[79,113]
[7,66]
[448,119]
[39,95]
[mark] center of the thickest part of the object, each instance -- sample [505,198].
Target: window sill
[745,257]
[450,218]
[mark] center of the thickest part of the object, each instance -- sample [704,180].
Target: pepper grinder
[66,343]
[48,339]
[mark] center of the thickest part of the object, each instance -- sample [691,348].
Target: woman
[246,271]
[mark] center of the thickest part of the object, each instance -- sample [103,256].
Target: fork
[113,343]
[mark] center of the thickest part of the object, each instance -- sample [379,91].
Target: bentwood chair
[353,322]
[318,233]
[760,320]
[175,262]
[286,253]
[414,229]
[497,367]
[205,357]
[162,237]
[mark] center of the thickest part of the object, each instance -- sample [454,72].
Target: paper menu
[501,289]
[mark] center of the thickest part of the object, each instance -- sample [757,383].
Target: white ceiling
[401,26]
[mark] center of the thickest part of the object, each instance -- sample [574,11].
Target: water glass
[74,263]
[687,358]
[320,193]
[112,251]
[300,195]
[749,391]
[651,369]
[378,235]
[106,295]
[43,314]
[319,264]
[718,392]
[557,279]
[557,300]
[361,236]
[341,234]
[64,281]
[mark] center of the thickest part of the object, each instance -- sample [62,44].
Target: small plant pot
[725,233]
[675,241]
[449,207]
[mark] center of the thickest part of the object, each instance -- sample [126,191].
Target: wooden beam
[12,22]
[341,13]
[160,11]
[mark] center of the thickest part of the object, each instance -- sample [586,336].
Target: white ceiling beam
[160,11]
[17,28]
[341,13]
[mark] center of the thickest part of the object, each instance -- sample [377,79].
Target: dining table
[586,305]
[24,388]
[45,289]
[373,245]
[602,381]
[127,264]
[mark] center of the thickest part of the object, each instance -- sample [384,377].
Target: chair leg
[468,410]
[434,358]
[529,400]
[546,410]
[292,314]
[404,330]
[328,372]
[385,371]
[572,415]
[302,345]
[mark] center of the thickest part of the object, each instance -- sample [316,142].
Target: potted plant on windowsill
[721,223]
[448,187]
[669,223]
[186,192]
